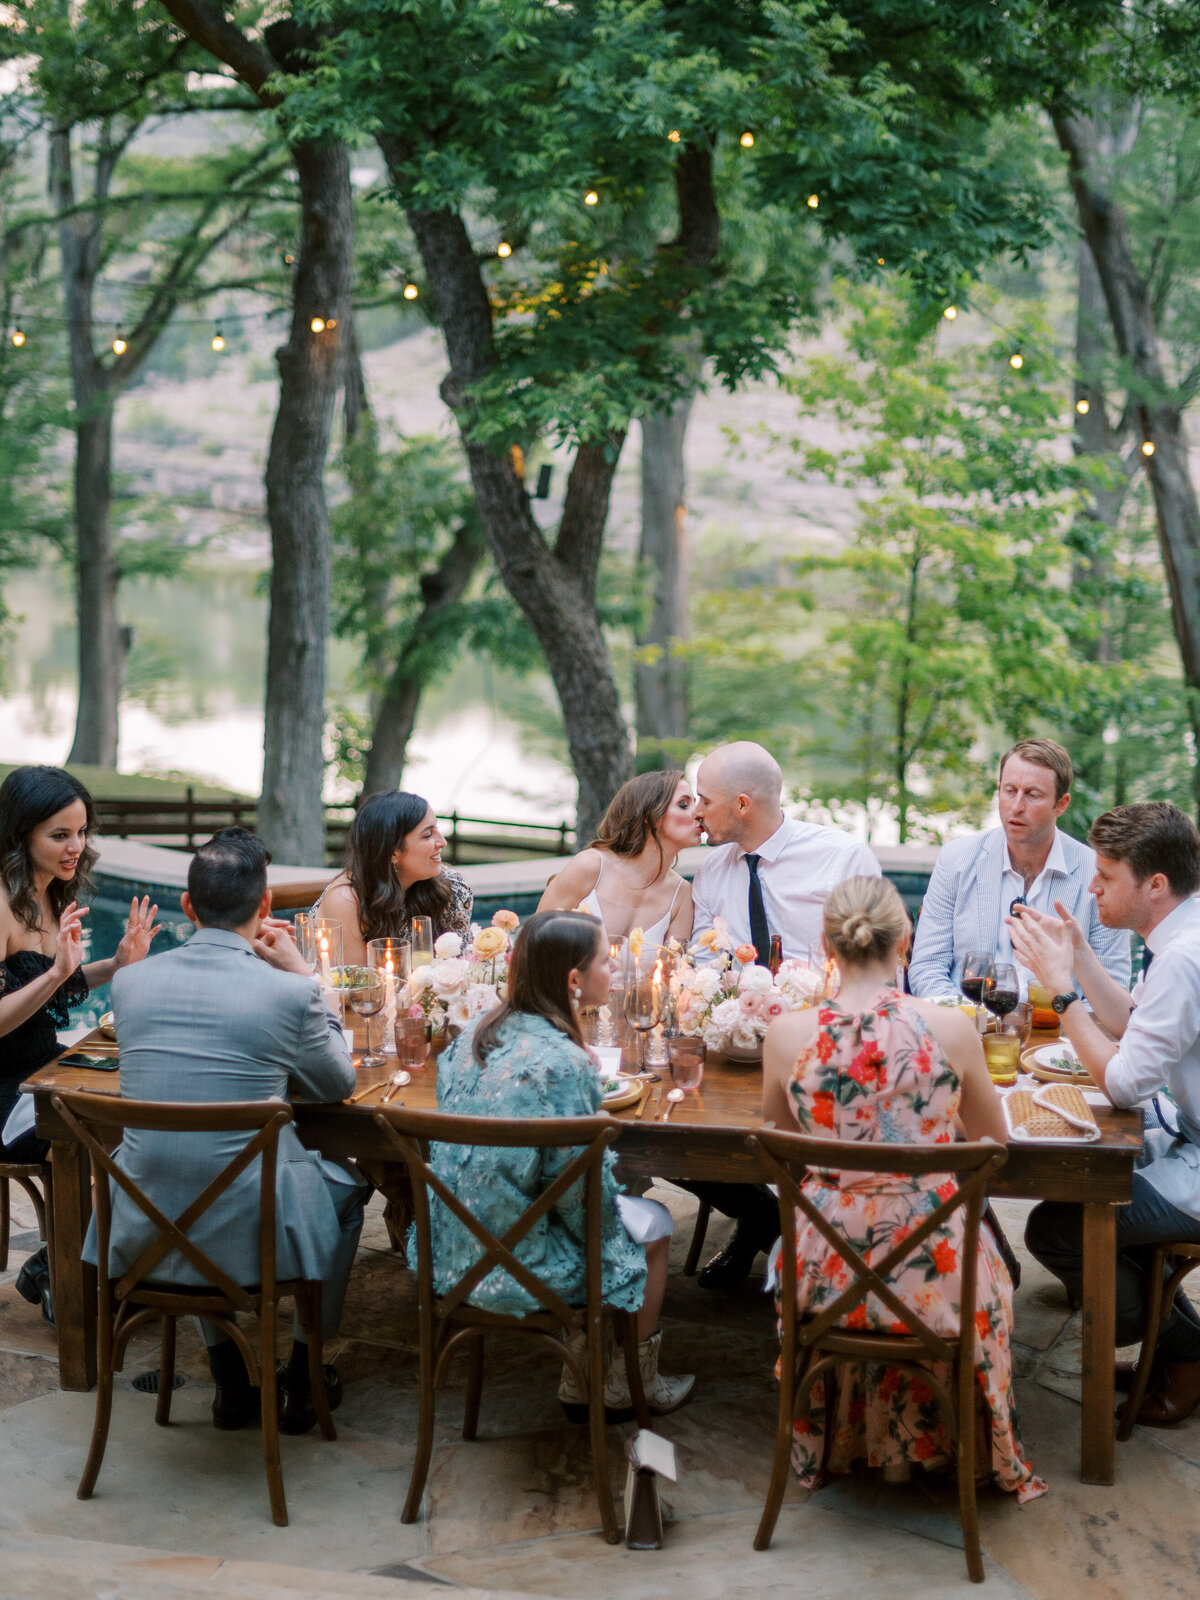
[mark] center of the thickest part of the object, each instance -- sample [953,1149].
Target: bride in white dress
[627,876]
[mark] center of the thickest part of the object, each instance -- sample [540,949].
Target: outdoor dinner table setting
[693,1128]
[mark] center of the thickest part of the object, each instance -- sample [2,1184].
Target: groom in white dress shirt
[765,875]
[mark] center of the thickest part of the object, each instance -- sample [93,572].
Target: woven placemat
[1035,1121]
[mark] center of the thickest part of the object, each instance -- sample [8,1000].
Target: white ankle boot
[662,1394]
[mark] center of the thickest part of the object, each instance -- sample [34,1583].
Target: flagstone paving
[182,1511]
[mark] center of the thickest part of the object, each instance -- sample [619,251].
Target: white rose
[745,1037]
[448,946]
[755,980]
[457,1012]
[420,979]
[707,983]
[721,935]
[481,997]
[447,977]
[726,1016]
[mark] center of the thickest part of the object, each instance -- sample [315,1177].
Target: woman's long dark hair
[28,796]
[635,813]
[547,947]
[380,829]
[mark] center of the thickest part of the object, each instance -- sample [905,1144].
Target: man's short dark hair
[227,879]
[1152,837]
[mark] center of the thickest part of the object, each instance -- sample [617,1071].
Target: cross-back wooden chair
[136,1297]
[1169,1265]
[27,1175]
[814,1347]
[449,1320]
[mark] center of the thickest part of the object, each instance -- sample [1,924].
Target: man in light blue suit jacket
[234,1014]
[1026,859]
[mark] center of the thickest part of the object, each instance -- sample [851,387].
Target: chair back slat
[786,1158]
[83,1113]
[412,1133]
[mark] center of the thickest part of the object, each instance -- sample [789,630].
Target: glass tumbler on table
[1002,1052]
[421,938]
[412,1046]
[686,1057]
[366,1000]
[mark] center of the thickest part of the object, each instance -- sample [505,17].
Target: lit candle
[389,988]
[326,974]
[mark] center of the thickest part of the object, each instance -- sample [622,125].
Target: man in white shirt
[1026,860]
[1147,876]
[766,875]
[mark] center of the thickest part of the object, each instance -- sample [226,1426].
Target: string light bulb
[288,258]
[879,260]
[673,136]
[317,324]
[119,346]
[591,198]
[747,140]
[504,249]
[814,200]
[1148,447]
[18,338]
[218,341]
[410,291]
[950,313]
[330,323]
[1082,407]
[1016,362]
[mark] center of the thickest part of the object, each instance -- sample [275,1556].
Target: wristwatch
[1060,1002]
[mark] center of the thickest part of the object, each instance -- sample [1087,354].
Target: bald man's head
[738,793]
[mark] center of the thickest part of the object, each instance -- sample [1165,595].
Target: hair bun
[858,930]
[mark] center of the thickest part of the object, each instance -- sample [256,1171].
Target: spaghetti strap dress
[880,1076]
[656,933]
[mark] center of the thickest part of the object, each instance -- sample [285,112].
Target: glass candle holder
[390,959]
[330,969]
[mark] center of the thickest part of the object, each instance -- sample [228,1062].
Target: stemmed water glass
[643,1000]
[366,1000]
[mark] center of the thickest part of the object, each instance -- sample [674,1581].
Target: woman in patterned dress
[394,873]
[877,1065]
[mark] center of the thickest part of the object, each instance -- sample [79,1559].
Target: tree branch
[208,25]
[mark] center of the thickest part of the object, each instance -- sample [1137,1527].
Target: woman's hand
[140,929]
[68,943]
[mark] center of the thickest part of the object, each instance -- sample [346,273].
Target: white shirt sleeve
[1163,1029]
[863,863]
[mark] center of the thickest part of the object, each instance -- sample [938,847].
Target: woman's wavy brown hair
[380,829]
[635,813]
[549,945]
[28,796]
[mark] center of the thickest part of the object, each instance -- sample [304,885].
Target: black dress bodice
[33,1042]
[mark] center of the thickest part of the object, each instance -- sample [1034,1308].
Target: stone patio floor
[182,1511]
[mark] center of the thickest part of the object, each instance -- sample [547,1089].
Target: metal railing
[182,824]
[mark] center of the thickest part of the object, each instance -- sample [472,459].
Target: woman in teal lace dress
[527,1059]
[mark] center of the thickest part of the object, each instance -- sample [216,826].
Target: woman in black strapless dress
[46,823]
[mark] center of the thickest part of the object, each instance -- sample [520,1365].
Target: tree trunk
[398,705]
[661,682]
[555,589]
[1159,417]
[291,815]
[101,642]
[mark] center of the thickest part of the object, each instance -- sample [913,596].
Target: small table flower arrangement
[729,1001]
[465,978]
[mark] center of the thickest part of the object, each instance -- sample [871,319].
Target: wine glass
[1001,991]
[422,941]
[974,973]
[643,999]
[366,1000]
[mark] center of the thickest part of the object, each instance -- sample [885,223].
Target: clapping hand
[1046,945]
[68,943]
[140,929]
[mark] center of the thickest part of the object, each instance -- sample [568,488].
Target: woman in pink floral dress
[881,1066]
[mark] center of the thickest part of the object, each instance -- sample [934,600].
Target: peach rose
[508,920]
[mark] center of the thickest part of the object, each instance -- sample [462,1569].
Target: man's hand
[140,929]
[274,945]
[1045,945]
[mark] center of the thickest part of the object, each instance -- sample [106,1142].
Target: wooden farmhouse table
[703,1140]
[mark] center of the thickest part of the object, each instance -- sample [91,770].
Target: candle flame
[324,943]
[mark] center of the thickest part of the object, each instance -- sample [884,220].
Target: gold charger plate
[628,1096]
[1049,1074]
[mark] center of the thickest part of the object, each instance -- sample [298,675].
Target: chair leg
[633,1370]
[968,1509]
[270,1415]
[309,1306]
[470,1427]
[1141,1376]
[166,1373]
[596,1433]
[783,1454]
[39,1204]
[698,1233]
[104,1395]
[4,1224]
[425,1418]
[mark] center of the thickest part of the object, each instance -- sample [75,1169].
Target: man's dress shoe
[297,1414]
[236,1406]
[1175,1395]
[727,1270]
[33,1282]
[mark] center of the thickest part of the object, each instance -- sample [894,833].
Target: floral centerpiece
[729,1001]
[466,976]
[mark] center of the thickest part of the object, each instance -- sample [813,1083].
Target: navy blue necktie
[760,934]
[1147,958]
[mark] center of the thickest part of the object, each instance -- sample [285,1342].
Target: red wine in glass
[1001,992]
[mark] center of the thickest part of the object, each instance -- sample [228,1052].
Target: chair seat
[873,1346]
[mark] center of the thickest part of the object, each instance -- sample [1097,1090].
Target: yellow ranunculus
[489,942]
[635,943]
